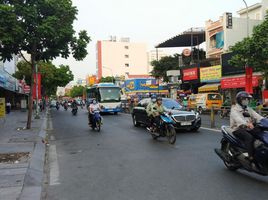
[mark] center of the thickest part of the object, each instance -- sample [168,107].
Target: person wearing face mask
[94,106]
[149,111]
[242,119]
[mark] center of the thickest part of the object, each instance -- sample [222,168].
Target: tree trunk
[30,102]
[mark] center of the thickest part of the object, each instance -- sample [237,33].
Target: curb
[33,182]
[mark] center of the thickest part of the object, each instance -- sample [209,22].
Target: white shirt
[237,119]
[94,107]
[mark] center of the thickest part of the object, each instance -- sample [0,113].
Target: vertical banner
[39,86]
[249,85]
[2,108]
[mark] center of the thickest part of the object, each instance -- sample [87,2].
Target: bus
[108,95]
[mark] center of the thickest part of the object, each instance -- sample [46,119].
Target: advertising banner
[238,82]
[210,74]
[2,108]
[190,74]
[249,86]
[39,86]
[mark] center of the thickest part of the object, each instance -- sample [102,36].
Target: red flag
[249,85]
[39,86]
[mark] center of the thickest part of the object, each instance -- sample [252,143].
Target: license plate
[186,123]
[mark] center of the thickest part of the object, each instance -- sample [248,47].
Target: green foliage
[77,91]
[253,51]
[52,76]
[108,79]
[43,28]
[163,65]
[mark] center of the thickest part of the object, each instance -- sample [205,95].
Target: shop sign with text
[190,74]
[238,82]
[210,74]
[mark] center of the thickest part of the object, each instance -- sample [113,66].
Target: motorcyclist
[149,110]
[157,110]
[94,106]
[242,121]
[74,105]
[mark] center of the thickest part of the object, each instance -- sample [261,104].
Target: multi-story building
[256,11]
[220,36]
[120,58]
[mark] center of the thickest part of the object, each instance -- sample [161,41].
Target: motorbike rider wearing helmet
[242,119]
[94,106]
[157,110]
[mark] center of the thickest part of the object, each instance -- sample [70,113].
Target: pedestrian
[8,107]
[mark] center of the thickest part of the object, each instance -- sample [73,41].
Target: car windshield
[171,104]
[110,94]
[214,97]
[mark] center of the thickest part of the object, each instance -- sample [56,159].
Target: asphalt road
[124,163]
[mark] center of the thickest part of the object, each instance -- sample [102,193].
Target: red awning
[238,82]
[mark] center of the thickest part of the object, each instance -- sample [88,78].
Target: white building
[118,58]
[256,11]
[60,91]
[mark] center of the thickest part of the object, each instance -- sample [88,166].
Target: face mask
[94,102]
[245,102]
[153,100]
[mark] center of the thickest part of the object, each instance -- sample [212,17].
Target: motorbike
[74,110]
[96,121]
[57,107]
[225,112]
[234,154]
[65,106]
[165,128]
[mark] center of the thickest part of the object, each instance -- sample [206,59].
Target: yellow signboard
[210,74]
[2,108]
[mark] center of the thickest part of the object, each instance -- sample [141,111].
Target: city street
[124,163]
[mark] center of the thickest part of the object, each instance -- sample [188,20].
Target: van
[204,101]
[192,101]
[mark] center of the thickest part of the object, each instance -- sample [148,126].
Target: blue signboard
[142,85]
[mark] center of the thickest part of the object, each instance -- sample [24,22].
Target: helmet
[153,96]
[242,95]
[159,99]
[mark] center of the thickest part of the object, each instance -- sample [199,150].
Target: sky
[148,21]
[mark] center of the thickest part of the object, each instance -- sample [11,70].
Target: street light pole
[247,18]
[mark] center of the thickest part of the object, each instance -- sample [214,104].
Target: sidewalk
[206,122]
[22,155]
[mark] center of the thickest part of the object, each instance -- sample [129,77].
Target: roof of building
[252,7]
[185,39]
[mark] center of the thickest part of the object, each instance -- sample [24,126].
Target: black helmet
[242,95]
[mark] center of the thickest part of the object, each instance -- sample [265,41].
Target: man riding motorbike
[74,105]
[156,110]
[242,119]
[94,106]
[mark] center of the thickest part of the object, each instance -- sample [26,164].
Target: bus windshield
[109,94]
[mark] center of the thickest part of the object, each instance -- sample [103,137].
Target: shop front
[190,79]
[231,86]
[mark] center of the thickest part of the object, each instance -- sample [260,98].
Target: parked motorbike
[165,128]
[234,154]
[74,110]
[96,121]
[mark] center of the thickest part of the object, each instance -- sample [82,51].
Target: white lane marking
[211,129]
[54,166]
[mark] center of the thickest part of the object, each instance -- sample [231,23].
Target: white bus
[108,95]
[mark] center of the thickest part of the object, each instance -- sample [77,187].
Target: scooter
[165,128]
[57,107]
[74,111]
[234,154]
[65,106]
[96,121]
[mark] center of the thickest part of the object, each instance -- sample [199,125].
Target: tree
[253,51]
[77,91]
[52,76]
[163,65]
[107,79]
[43,29]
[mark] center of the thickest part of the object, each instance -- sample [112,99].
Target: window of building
[126,47]
[127,65]
[126,56]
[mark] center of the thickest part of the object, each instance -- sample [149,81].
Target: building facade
[256,11]
[118,58]
[154,55]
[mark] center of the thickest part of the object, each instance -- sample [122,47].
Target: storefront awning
[209,88]
[191,37]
